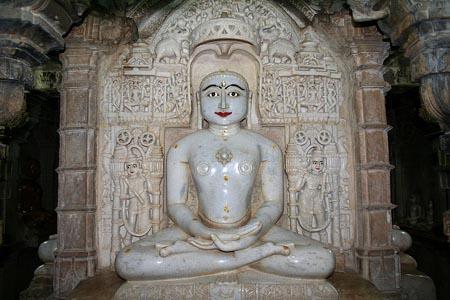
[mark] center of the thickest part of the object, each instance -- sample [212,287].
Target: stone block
[370,107]
[75,108]
[77,230]
[370,78]
[374,147]
[379,225]
[375,187]
[381,266]
[79,57]
[73,148]
[246,284]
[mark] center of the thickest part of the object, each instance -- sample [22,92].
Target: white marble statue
[224,161]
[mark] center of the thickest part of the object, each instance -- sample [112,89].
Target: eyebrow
[211,85]
[215,85]
[235,86]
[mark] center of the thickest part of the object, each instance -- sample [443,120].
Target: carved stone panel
[147,102]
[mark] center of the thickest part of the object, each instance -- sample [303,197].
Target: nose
[223,100]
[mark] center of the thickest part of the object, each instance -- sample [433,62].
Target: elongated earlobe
[199,113]
[249,110]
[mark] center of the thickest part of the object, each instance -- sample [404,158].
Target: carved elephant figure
[282,51]
[168,50]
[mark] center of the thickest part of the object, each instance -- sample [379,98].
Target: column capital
[29,30]
[422,30]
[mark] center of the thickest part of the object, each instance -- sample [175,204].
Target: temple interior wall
[302,98]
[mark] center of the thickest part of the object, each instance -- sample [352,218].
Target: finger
[247,229]
[201,243]
[228,236]
[224,246]
[251,229]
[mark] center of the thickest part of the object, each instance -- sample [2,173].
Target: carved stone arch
[152,83]
[97,82]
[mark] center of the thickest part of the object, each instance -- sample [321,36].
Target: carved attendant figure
[224,160]
[134,188]
[312,188]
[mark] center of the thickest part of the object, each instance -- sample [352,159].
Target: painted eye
[213,94]
[233,94]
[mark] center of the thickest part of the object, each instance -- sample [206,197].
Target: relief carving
[297,86]
[136,167]
[307,88]
[149,97]
[318,185]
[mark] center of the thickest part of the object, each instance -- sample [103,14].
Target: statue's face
[224,98]
[317,165]
[132,168]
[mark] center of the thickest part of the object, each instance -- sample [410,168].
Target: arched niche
[300,100]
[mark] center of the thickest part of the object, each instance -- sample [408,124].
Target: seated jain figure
[224,160]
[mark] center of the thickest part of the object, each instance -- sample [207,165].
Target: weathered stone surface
[352,286]
[41,286]
[104,285]
[414,284]
[76,256]
[421,30]
[368,10]
[246,285]
[28,31]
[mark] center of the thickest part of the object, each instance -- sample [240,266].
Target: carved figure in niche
[222,235]
[135,198]
[312,188]
[168,51]
[282,51]
[415,210]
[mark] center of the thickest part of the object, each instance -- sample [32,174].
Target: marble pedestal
[242,284]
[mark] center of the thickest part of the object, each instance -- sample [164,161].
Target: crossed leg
[307,258]
[142,260]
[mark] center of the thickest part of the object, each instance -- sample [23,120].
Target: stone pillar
[28,31]
[377,259]
[76,255]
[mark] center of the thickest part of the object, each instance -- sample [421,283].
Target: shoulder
[267,146]
[182,146]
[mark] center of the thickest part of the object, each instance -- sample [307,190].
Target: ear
[199,114]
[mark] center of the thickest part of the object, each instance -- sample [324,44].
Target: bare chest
[219,159]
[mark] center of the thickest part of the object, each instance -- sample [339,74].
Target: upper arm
[272,173]
[177,173]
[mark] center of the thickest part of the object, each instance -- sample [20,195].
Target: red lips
[223,114]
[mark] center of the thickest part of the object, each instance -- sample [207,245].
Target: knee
[134,264]
[313,261]
[124,264]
